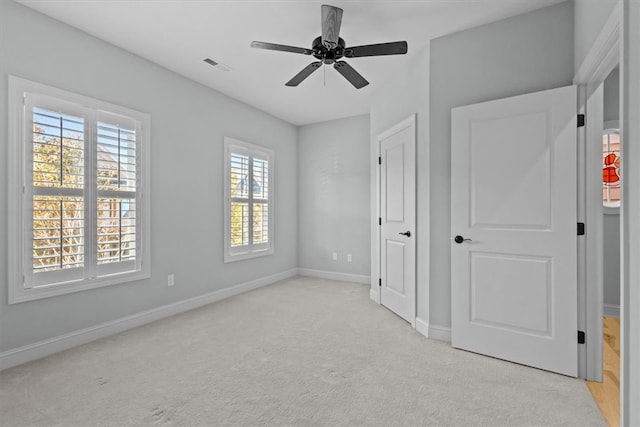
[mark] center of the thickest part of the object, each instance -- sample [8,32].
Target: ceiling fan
[329,48]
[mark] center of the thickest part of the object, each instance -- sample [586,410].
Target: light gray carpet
[300,352]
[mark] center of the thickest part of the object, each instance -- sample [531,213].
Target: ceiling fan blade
[393,48]
[306,72]
[331,21]
[350,74]
[281,48]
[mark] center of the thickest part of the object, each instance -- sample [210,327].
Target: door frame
[376,262]
[601,59]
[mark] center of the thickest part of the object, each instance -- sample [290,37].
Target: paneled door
[398,217]
[513,229]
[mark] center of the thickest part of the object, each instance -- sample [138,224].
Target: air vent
[217,65]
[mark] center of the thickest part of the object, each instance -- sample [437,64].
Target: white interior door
[397,219]
[513,226]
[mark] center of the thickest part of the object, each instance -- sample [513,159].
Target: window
[78,215]
[611,177]
[248,200]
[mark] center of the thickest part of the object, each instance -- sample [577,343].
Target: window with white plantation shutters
[248,200]
[79,171]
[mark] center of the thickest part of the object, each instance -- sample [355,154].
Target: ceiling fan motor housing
[328,56]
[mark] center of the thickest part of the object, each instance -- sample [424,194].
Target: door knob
[406,233]
[460,239]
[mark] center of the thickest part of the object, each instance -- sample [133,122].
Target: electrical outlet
[335,256]
[349,258]
[171,280]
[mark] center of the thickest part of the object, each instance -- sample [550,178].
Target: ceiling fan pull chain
[324,74]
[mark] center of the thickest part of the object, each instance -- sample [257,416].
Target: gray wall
[590,16]
[405,95]
[333,195]
[611,91]
[188,123]
[526,53]
[611,221]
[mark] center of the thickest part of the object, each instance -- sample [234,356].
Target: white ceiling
[178,35]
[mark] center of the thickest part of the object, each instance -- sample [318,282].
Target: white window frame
[21,288]
[251,250]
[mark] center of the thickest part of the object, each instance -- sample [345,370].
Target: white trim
[374,294]
[334,275]
[601,59]
[629,224]
[611,125]
[590,211]
[422,327]
[439,333]
[433,332]
[611,310]
[610,210]
[18,356]
[375,213]
[604,54]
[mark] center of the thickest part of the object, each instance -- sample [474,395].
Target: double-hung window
[79,216]
[248,200]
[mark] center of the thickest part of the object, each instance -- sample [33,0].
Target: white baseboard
[422,327]
[611,310]
[20,355]
[333,275]
[440,333]
[434,332]
[374,294]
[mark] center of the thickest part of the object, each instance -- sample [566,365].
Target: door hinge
[380,282]
[379,220]
[580,120]
[379,160]
[581,229]
[582,337]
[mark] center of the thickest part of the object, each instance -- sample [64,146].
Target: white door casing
[397,219]
[514,194]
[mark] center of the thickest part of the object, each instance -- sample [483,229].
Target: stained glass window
[611,177]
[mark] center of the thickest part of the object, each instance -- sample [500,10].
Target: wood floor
[607,393]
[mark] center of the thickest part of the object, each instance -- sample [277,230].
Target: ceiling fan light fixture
[217,65]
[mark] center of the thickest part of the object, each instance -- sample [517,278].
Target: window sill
[610,210]
[17,294]
[246,255]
